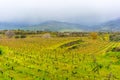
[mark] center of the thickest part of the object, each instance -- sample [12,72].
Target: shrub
[20,36]
[116,49]
[23,36]
[17,36]
[1,52]
[114,37]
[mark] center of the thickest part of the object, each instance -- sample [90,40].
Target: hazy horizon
[75,11]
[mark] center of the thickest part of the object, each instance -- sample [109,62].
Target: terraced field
[58,59]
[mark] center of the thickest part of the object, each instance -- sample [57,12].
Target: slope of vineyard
[44,59]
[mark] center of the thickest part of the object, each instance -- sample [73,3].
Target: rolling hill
[45,26]
[113,25]
[56,26]
[10,25]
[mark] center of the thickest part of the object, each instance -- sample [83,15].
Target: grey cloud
[79,11]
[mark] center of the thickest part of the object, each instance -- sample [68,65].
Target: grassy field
[69,58]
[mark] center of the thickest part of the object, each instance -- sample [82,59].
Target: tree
[9,33]
[94,35]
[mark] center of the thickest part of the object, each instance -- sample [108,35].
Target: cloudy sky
[76,11]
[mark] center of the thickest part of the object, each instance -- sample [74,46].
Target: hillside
[11,25]
[58,58]
[113,25]
[45,26]
[56,26]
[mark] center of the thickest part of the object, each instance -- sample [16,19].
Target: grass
[42,59]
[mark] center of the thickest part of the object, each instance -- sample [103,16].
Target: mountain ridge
[113,25]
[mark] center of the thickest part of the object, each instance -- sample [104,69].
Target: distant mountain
[56,26]
[113,25]
[45,26]
[9,26]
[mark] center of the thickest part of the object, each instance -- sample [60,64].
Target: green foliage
[1,52]
[4,50]
[114,54]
